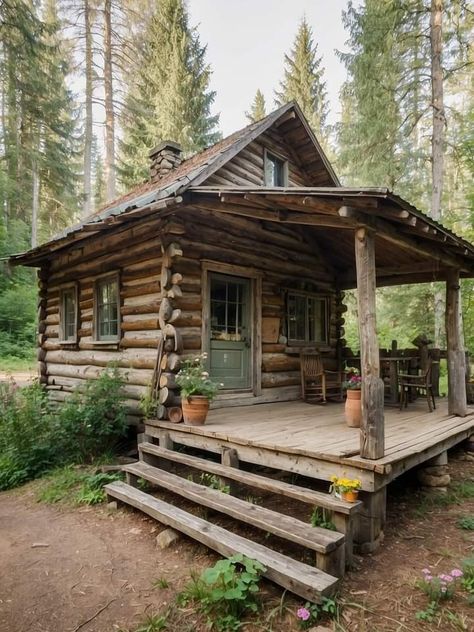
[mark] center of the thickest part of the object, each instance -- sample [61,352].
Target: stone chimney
[164,158]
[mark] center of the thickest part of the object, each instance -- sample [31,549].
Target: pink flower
[456,572]
[426,571]
[428,578]
[303,614]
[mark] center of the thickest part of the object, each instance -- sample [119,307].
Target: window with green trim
[68,314]
[107,308]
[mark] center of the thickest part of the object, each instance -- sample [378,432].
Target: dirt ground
[97,571]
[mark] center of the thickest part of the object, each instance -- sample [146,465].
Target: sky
[246,43]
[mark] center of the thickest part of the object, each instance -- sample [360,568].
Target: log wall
[286,257]
[247,168]
[135,252]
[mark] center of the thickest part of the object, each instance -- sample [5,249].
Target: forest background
[406,122]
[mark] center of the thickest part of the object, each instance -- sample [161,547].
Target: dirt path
[93,561]
[97,572]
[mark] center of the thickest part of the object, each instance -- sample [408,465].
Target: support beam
[372,435]
[457,401]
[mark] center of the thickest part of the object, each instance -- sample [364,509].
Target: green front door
[230,342]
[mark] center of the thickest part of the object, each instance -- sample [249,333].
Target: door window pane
[227,309]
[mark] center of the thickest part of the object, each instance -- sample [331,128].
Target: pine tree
[303,80]
[170,98]
[258,108]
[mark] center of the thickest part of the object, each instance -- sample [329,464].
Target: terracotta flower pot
[353,408]
[351,496]
[195,409]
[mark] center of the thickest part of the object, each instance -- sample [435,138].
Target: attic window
[276,170]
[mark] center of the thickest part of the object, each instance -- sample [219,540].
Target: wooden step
[330,553]
[303,494]
[303,580]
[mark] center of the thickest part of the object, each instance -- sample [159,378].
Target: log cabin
[244,252]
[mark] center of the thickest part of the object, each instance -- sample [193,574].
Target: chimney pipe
[164,158]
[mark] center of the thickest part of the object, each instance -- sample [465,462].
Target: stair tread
[303,494]
[304,580]
[289,528]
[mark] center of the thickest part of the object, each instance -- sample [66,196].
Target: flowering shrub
[194,379]
[354,379]
[342,485]
[439,587]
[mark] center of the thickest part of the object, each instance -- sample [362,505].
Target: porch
[315,441]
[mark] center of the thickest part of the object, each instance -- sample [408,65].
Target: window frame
[72,287]
[266,157]
[104,278]
[308,296]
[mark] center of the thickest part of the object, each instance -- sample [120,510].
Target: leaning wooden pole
[457,401]
[372,431]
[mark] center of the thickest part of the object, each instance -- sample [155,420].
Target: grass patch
[75,485]
[11,364]
[466,522]
[457,492]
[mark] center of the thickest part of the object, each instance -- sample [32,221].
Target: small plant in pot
[345,488]
[197,390]
[353,385]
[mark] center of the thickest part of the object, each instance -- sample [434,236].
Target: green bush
[93,419]
[27,445]
[35,437]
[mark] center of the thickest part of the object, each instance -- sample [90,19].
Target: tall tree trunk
[109,104]
[87,205]
[437,139]
[34,201]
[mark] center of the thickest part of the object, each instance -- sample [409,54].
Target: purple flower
[303,614]
[428,578]
[456,572]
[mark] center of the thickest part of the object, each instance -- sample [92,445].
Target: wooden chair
[318,384]
[421,382]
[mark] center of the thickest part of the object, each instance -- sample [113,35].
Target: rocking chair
[420,382]
[318,384]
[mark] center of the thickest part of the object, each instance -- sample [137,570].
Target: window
[307,318]
[68,315]
[275,171]
[107,308]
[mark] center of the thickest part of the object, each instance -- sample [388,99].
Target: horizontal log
[272,380]
[128,358]
[277,362]
[141,377]
[140,290]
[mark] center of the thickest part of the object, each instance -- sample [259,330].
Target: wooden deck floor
[307,434]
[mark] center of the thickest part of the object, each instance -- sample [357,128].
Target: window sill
[296,349]
[107,344]
[68,344]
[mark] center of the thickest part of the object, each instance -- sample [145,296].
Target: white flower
[205,374]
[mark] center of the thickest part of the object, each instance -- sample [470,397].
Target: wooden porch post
[457,402]
[372,434]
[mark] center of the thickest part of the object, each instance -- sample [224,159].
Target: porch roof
[411,247]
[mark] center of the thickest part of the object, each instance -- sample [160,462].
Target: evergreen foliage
[169,98]
[258,108]
[303,80]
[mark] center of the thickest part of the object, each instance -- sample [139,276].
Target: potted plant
[197,390]
[353,386]
[345,488]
